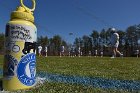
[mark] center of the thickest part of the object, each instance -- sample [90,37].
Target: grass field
[117,69]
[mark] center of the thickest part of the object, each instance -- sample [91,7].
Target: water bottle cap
[24,12]
[20,13]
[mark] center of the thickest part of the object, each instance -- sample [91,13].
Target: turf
[118,68]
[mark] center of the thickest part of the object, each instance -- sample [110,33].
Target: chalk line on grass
[92,81]
[88,81]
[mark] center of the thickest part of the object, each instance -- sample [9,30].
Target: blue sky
[77,16]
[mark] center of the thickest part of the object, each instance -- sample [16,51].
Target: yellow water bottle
[19,68]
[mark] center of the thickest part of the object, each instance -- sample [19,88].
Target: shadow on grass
[1,88]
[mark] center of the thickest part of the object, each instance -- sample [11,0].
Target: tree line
[97,40]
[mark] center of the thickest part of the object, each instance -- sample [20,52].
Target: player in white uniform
[137,52]
[79,51]
[115,43]
[62,51]
[96,53]
[101,53]
[89,53]
[39,50]
[46,50]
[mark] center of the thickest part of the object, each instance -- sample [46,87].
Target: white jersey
[39,48]
[46,49]
[96,52]
[137,51]
[79,49]
[101,52]
[62,48]
[115,38]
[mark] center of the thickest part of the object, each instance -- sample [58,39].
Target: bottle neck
[17,19]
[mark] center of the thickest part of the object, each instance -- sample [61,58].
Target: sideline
[94,81]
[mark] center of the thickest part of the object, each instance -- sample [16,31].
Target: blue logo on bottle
[26,70]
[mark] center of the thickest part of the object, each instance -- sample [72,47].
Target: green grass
[73,88]
[118,68]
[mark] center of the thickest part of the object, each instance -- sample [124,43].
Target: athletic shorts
[39,52]
[115,45]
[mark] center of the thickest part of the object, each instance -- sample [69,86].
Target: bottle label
[20,48]
[21,33]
